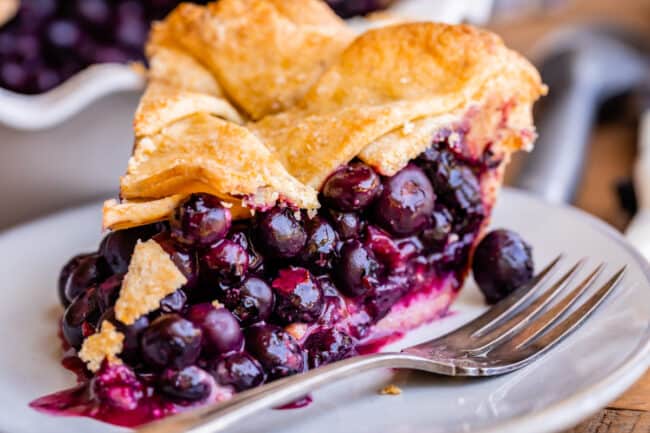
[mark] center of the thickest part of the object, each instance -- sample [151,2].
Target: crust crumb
[297,330]
[106,344]
[152,275]
[390,390]
[216,304]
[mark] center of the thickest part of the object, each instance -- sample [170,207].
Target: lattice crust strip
[265,115]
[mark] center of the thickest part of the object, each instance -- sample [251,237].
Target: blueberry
[7,44]
[239,370]
[226,260]
[81,272]
[456,184]
[221,330]
[279,234]
[455,255]
[436,151]
[94,12]
[438,162]
[328,345]
[240,236]
[334,310]
[502,262]
[131,345]
[320,249]
[27,47]
[82,313]
[131,31]
[352,187]
[299,297]
[174,302]
[35,11]
[117,385]
[348,225]
[171,341]
[326,283]
[250,302]
[186,385]
[200,220]
[464,189]
[358,269]
[394,254]
[436,236]
[64,34]
[334,306]
[184,259]
[349,8]
[14,76]
[405,205]
[108,291]
[131,9]
[117,247]
[277,351]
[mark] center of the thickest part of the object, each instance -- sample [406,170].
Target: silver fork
[508,336]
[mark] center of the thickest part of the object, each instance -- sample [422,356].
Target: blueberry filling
[187,385]
[239,370]
[285,291]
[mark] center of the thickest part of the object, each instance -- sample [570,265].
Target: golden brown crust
[266,54]
[416,61]
[381,99]
[162,104]
[118,215]
[178,86]
[152,275]
[225,157]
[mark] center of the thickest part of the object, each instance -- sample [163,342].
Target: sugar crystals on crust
[152,275]
[106,344]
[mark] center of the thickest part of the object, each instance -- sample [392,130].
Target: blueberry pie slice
[296,195]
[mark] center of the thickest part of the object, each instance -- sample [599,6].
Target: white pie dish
[584,373]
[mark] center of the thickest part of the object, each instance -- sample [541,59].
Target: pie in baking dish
[297,194]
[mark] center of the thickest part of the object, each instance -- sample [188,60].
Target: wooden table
[610,159]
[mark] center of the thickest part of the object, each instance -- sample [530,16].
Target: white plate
[591,368]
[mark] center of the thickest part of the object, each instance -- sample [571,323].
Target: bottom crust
[420,308]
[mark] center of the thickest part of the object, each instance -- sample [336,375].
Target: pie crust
[265,116]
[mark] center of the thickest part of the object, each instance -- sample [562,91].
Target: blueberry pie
[297,194]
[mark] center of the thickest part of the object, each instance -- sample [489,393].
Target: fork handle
[217,417]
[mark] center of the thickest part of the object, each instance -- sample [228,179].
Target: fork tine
[546,335]
[514,324]
[507,306]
